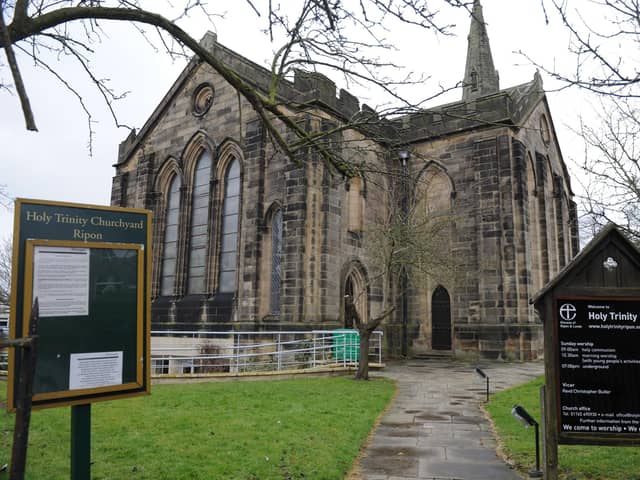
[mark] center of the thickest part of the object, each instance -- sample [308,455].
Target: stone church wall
[490,309]
[316,243]
[514,223]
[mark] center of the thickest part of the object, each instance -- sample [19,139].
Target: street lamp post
[404,156]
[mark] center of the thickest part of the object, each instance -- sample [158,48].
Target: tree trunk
[363,361]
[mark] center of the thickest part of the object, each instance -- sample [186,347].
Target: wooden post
[24,395]
[543,425]
[81,442]
[550,405]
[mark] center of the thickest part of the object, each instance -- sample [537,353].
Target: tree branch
[15,73]
[20,10]
[318,36]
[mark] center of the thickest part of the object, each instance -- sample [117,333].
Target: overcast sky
[55,164]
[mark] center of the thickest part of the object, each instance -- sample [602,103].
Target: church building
[247,239]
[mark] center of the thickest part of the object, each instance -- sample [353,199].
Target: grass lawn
[260,430]
[575,462]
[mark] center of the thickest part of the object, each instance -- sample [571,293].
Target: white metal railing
[193,353]
[179,353]
[4,332]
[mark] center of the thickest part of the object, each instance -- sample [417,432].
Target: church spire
[480,76]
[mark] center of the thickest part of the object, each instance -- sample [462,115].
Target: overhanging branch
[265,108]
[15,73]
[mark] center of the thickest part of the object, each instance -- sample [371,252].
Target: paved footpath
[435,429]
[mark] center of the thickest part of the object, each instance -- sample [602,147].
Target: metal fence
[185,353]
[4,332]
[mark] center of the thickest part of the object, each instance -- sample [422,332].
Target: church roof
[307,89]
[509,107]
[484,108]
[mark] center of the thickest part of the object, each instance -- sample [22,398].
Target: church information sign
[599,368]
[89,267]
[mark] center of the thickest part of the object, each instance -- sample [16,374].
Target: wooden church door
[440,319]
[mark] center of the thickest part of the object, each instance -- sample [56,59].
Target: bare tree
[5,252]
[406,245]
[604,36]
[604,39]
[313,34]
[5,271]
[611,167]
[5,198]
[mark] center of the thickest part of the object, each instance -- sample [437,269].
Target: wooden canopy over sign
[591,317]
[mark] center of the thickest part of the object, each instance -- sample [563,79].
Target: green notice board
[89,267]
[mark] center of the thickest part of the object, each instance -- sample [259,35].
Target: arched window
[230,224]
[199,221]
[355,205]
[551,216]
[534,226]
[170,243]
[437,193]
[276,263]
[474,81]
[544,129]
[566,230]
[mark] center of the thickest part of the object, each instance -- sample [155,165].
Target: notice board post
[591,316]
[81,442]
[89,267]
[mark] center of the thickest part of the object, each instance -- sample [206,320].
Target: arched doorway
[355,288]
[348,293]
[440,319]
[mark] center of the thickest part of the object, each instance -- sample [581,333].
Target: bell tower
[480,76]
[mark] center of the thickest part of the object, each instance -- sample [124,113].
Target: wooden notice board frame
[92,267]
[138,321]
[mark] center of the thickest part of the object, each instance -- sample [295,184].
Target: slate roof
[508,107]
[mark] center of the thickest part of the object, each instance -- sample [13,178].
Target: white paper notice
[61,281]
[95,369]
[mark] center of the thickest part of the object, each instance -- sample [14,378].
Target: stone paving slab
[465,471]
[435,429]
